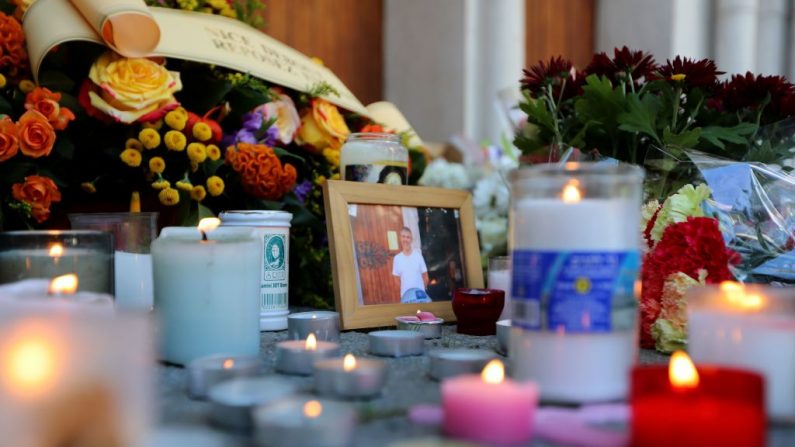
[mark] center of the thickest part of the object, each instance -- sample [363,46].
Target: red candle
[684,406]
[477,310]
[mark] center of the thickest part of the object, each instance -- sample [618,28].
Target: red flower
[559,73]
[685,247]
[697,73]
[749,92]
[635,64]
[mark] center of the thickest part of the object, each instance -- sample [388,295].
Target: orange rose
[36,135]
[44,101]
[9,139]
[13,57]
[38,192]
[322,126]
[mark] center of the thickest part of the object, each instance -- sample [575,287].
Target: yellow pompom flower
[157,165]
[176,120]
[319,180]
[131,157]
[198,193]
[184,185]
[197,152]
[332,156]
[168,196]
[134,143]
[213,152]
[3,81]
[175,140]
[335,176]
[26,85]
[202,132]
[89,187]
[161,184]
[215,185]
[150,138]
[156,125]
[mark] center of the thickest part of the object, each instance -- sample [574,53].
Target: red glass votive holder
[725,408]
[478,310]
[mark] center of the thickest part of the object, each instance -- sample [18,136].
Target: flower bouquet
[104,132]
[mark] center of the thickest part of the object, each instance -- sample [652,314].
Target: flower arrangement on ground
[103,132]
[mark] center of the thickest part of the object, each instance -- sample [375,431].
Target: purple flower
[252,122]
[302,190]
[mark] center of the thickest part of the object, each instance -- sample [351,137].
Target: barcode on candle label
[571,291]
[273,301]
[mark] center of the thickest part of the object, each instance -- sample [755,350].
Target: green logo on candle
[274,252]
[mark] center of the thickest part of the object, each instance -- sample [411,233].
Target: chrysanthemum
[636,65]
[697,73]
[749,91]
[558,73]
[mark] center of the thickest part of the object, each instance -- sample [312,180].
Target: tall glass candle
[374,157]
[500,278]
[47,254]
[206,293]
[750,327]
[575,258]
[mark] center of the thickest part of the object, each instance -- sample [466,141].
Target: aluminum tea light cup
[206,372]
[446,363]
[350,377]
[298,356]
[305,422]
[233,401]
[396,343]
[425,323]
[324,324]
[503,336]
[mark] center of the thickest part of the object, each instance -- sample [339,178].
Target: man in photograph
[409,266]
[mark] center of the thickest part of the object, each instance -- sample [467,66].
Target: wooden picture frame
[379,214]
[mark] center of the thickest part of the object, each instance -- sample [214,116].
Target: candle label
[571,291]
[389,172]
[274,287]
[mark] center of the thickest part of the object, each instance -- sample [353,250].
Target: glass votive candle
[477,310]
[305,422]
[47,254]
[575,258]
[499,277]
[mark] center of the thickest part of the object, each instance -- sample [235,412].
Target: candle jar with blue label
[575,235]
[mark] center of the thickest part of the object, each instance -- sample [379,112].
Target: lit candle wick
[311,342]
[349,363]
[682,372]
[494,372]
[313,409]
[208,224]
[229,363]
[571,192]
[56,250]
[63,285]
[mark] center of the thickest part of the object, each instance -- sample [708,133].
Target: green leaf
[686,139]
[538,114]
[641,116]
[203,212]
[600,103]
[717,135]
[5,107]
[287,156]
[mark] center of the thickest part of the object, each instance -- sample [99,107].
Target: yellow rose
[132,89]
[322,126]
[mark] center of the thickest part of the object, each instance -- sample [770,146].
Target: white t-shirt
[410,269]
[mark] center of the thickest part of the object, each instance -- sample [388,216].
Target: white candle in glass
[206,292]
[751,327]
[499,277]
[574,263]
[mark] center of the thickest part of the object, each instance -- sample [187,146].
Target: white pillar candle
[133,280]
[574,262]
[752,327]
[499,277]
[206,293]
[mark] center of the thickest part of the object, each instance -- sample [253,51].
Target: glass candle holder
[575,259]
[499,277]
[477,310]
[133,235]
[47,254]
[374,157]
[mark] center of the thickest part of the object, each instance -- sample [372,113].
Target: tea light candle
[233,401]
[575,259]
[324,324]
[206,372]
[305,422]
[477,310]
[503,336]
[749,327]
[298,356]
[446,363]
[488,408]
[396,343]
[350,377]
[425,323]
[685,405]
[206,292]
[55,293]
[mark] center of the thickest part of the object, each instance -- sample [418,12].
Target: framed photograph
[399,249]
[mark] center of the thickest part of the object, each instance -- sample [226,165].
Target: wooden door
[559,28]
[370,228]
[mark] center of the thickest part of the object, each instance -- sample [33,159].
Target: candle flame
[735,294]
[571,193]
[494,372]
[314,316]
[229,363]
[63,285]
[312,409]
[56,250]
[419,311]
[31,364]
[208,224]
[682,372]
[349,363]
[311,342]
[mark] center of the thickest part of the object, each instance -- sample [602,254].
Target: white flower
[491,196]
[443,174]
[493,234]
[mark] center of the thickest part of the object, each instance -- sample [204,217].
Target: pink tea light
[489,408]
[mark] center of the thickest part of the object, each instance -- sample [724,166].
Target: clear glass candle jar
[374,158]
[47,254]
[575,233]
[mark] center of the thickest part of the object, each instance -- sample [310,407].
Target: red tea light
[478,310]
[687,406]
